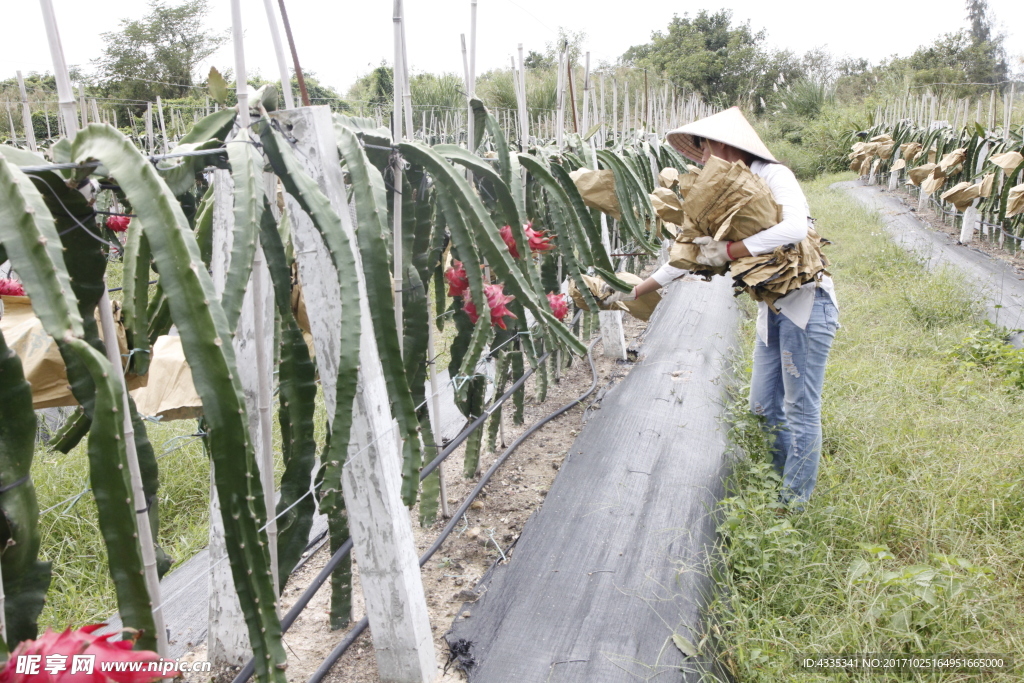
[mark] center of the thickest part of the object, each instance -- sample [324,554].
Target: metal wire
[357,630]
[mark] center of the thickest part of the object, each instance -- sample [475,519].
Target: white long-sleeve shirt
[795,221]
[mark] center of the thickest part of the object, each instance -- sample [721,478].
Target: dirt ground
[987,243]
[486,535]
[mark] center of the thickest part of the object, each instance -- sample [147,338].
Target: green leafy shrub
[987,347]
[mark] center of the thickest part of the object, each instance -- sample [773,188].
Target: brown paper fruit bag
[598,190]
[641,308]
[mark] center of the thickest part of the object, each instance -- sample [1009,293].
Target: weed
[912,541]
[987,347]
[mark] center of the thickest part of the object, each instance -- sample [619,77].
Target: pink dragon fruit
[57,658]
[496,300]
[457,279]
[11,287]
[118,223]
[539,241]
[506,234]
[558,305]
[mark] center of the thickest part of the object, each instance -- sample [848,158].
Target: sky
[341,41]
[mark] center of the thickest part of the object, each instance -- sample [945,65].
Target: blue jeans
[785,388]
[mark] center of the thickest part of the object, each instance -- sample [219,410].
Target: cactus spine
[206,340]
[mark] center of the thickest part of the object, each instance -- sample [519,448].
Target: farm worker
[792,346]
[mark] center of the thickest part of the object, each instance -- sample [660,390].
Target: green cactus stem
[371,217]
[297,391]
[206,339]
[327,222]
[25,578]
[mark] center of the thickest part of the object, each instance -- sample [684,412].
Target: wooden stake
[572,93]
[295,54]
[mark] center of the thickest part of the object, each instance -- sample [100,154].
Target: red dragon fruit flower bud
[506,234]
[539,241]
[458,280]
[11,287]
[496,300]
[118,223]
[558,305]
[78,657]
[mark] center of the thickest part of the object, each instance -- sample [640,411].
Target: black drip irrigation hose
[247,671]
[358,629]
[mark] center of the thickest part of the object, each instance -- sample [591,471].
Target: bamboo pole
[435,404]
[282,66]
[26,115]
[65,93]
[647,106]
[163,126]
[1008,112]
[625,111]
[406,88]
[143,529]
[465,71]
[10,123]
[615,109]
[398,87]
[149,127]
[560,106]
[82,105]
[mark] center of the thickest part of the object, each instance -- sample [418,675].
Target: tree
[535,60]
[987,63]
[375,90]
[158,54]
[722,61]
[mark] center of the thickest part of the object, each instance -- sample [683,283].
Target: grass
[912,542]
[81,591]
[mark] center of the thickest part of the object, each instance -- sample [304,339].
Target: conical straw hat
[729,126]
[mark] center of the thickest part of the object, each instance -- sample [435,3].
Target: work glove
[615,297]
[713,252]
